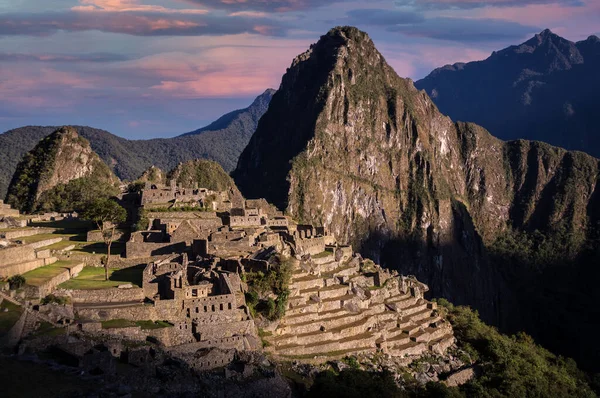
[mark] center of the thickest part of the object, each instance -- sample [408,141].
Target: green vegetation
[10,317]
[150,325]
[261,285]
[51,298]
[92,278]
[16,281]
[353,383]
[41,275]
[142,221]
[75,195]
[106,214]
[145,325]
[30,189]
[49,330]
[513,366]
[205,173]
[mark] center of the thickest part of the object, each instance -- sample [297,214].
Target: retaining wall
[107,295]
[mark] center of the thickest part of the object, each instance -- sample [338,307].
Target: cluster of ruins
[194,281]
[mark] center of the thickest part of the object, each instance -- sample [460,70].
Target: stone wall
[20,233]
[203,306]
[310,246]
[15,254]
[48,287]
[21,268]
[108,295]
[44,243]
[96,236]
[144,250]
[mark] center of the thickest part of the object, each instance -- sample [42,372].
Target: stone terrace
[337,308]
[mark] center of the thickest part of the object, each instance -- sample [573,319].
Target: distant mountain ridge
[221,141]
[544,89]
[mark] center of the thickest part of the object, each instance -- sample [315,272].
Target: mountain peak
[593,39]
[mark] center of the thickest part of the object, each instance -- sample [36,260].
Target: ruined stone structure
[341,304]
[19,259]
[7,211]
[177,196]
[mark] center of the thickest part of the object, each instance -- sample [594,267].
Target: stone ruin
[176,196]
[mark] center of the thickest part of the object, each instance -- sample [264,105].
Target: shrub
[51,298]
[16,281]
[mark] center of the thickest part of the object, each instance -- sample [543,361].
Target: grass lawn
[61,245]
[324,254]
[124,323]
[47,329]
[91,278]
[8,319]
[43,274]
[41,237]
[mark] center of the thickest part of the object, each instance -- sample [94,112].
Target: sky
[159,68]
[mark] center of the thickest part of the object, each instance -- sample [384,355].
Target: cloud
[59,58]
[377,16]
[129,6]
[471,4]
[263,5]
[467,30]
[138,24]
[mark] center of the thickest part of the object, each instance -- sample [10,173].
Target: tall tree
[107,214]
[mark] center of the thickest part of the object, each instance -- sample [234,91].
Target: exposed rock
[461,377]
[348,144]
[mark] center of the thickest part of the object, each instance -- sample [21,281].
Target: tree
[16,281]
[107,214]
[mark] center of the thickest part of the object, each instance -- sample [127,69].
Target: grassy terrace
[92,278]
[145,325]
[8,319]
[41,237]
[324,254]
[43,274]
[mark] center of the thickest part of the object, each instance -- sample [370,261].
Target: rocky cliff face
[61,157]
[348,144]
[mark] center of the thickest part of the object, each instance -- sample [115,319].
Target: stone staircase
[333,312]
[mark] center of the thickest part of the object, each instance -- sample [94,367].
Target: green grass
[124,323]
[47,329]
[117,323]
[61,245]
[8,319]
[43,274]
[150,325]
[324,254]
[41,237]
[92,278]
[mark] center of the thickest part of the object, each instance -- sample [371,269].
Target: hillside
[205,174]
[544,89]
[348,144]
[56,161]
[222,141]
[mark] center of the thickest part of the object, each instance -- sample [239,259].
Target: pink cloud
[129,6]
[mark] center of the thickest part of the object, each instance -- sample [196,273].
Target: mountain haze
[544,89]
[348,144]
[222,141]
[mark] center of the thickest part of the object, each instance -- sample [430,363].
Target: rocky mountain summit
[348,144]
[544,89]
[61,157]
